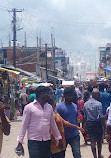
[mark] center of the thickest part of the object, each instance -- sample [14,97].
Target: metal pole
[38,62]
[54,55]
[14,37]
[14,33]
[46,61]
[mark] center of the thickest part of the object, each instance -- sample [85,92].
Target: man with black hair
[38,120]
[94,121]
[105,98]
[90,89]
[68,111]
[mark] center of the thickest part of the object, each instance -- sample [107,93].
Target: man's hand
[80,129]
[19,150]
[60,144]
[20,147]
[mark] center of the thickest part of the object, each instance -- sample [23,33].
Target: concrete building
[29,59]
[104,59]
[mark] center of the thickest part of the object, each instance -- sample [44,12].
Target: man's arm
[108,129]
[67,124]
[25,124]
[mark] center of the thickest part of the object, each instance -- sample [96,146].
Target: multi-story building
[61,61]
[104,58]
[32,60]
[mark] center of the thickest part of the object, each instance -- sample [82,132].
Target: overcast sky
[79,25]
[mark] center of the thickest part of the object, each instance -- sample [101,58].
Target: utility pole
[46,61]
[53,46]
[52,49]
[25,41]
[9,41]
[40,43]
[54,54]
[38,62]
[14,10]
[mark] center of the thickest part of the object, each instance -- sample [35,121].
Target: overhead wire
[5,28]
[4,7]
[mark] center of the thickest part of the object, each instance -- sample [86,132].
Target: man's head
[86,95]
[96,94]
[80,88]
[52,102]
[43,94]
[90,89]
[70,95]
[101,87]
[32,91]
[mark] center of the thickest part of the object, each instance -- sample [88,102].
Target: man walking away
[94,119]
[68,111]
[23,100]
[105,99]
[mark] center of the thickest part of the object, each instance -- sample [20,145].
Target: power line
[4,7]
[5,28]
[26,18]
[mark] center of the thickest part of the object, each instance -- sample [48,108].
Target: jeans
[75,145]
[39,149]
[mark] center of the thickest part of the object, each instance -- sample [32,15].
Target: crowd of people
[53,120]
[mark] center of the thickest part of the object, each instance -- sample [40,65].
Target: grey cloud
[78,24]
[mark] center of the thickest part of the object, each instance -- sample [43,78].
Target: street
[10,143]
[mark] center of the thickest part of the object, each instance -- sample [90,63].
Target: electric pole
[46,62]
[25,41]
[53,46]
[52,49]
[38,62]
[40,42]
[9,41]
[14,10]
[54,54]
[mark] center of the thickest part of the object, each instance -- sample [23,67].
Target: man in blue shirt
[105,98]
[68,111]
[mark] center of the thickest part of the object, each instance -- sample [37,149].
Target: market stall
[8,88]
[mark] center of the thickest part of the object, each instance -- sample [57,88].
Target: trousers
[39,149]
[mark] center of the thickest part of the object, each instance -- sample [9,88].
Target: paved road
[10,143]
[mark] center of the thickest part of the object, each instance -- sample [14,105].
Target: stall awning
[107,69]
[57,78]
[12,71]
[68,83]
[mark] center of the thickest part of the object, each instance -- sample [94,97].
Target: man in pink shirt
[38,121]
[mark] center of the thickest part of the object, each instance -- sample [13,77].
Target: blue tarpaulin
[107,69]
